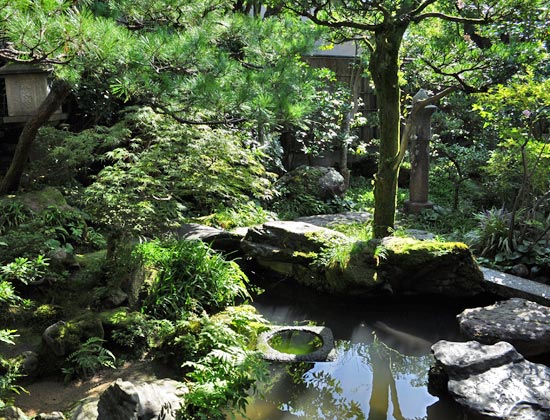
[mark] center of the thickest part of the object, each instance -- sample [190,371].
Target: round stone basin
[297,344]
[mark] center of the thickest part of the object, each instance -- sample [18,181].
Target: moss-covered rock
[63,338]
[38,201]
[316,181]
[328,261]
[291,249]
[430,267]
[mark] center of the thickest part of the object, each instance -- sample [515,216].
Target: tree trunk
[53,101]
[384,69]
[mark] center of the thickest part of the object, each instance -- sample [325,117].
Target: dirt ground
[47,395]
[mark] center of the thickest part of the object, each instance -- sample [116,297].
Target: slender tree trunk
[53,101]
[384,69]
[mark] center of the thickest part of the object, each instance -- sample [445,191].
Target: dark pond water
[381,370]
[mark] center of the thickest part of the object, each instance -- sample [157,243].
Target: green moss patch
[409,252]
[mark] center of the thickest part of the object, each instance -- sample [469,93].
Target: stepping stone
[491,380]
[524,324]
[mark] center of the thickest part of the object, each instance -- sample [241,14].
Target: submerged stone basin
[322,343]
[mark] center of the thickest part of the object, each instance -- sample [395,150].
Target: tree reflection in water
[368,381]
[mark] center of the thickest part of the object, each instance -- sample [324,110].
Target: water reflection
[367,381]
[380,372]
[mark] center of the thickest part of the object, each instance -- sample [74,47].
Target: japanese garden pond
[381,366]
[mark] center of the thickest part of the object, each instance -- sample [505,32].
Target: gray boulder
[85,409]
[124,400]
[293,236]
[317,181]
[30,363]
[218,239]
[524,324]
[491,380]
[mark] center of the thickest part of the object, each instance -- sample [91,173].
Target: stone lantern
[26,88]
[420,158]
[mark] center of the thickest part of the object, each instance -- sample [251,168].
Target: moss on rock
[430,267]
[38,201]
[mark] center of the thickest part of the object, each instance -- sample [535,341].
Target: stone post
[420,158]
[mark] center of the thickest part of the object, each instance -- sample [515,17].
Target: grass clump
[189,277]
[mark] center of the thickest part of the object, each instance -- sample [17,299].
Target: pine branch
[162,109]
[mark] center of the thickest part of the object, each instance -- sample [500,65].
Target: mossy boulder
[38,201]
[328,261]
[126,331]
[316,181]
[411,266]
[63,338]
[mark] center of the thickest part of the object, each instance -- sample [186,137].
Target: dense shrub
[164,172]
[190,277]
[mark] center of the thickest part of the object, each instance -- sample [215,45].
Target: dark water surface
[381,369]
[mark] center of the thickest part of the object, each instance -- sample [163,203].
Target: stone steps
[508,285]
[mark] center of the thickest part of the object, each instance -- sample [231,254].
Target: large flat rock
[492,380]
[524,324]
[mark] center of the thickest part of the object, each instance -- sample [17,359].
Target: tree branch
[161,109]
[450,18]
[9,53]
[421,7]
[333,24]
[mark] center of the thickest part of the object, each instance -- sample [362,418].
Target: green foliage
[221,380]
[321,130]
[8,295]
[517,115]
[336,254]
[289,208]
[490,240]
[490,236]
[133,333]
[12,214]
[241,214]
[25,243]
[47,230]
[9,370]
[455,172]
[190,277]
[88,359]
[212,350]
[356,231]
[68,158]
[166,171]
[26,271]
[63,225]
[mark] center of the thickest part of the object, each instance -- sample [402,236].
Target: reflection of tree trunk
[383,386]
[381,379]
[397,414]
